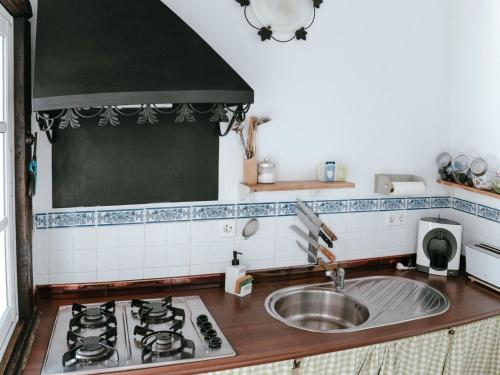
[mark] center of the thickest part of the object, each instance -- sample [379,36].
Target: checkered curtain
[472,349]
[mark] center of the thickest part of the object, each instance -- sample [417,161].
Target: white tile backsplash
[355,222]
[155,234]
[156,273]
[108,259]
[108,237]
[203,231]
[85,261]
[129,252]
[178,255]
[155,256]
[131,235]
[40,262]
[179,233]
[178,271]
[131,258]
[60,262]
[60,239]
[199,269]
[84,238]
[40,240]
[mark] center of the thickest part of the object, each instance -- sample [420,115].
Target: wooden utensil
[251,137]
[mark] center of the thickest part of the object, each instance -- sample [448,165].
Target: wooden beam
[23,203]
[18,8]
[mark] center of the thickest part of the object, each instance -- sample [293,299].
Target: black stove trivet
[92,317]
[164,343]
[90,349]
[157,311]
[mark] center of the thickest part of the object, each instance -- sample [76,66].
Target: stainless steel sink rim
[379,314]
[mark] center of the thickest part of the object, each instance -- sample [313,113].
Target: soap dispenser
[237,281]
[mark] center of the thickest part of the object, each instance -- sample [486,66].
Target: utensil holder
[250,171]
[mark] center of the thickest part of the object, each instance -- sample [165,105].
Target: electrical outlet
[395,218]
[227,228]
[402,218]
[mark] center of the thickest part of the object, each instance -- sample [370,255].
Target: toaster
[483,264]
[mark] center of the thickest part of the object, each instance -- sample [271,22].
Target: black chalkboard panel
[134,164]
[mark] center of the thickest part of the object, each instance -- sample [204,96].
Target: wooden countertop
[257,338]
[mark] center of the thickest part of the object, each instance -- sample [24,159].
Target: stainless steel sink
[363,303]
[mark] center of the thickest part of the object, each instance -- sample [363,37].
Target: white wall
[475,84]
[367,89]
[370,88]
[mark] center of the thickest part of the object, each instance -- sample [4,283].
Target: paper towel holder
[384,182]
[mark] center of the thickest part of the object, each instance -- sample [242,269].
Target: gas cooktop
[133,334]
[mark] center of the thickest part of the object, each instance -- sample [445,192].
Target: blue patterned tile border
[331,207]
[287,208]
[464,206]
[40,221]
[256,210]
[418,203]
[440,202]
[392,204]
[120,217]
[290,208]
[245,210]
[223,211]
[363,205]
[161,215]
[488,213]
[71,219]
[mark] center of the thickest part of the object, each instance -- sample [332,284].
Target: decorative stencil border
[246,210]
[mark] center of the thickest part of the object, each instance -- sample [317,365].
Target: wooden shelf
[468,188]
[299,185]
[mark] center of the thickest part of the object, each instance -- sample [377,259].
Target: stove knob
[205,327]
[201,319]
[215,342]
[210,333]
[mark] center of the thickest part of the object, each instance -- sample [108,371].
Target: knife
[317,259]
[316,230]
[312,216]
[315,244]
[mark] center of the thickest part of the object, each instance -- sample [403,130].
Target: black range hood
[93,57]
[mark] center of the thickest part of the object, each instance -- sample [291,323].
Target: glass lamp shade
[284,16]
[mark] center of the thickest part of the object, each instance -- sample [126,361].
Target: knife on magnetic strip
[318,260]
[314,228]
[316,220]
[315,244]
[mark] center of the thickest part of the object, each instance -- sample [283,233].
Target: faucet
[336,274]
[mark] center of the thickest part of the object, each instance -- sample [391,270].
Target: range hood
[93,57]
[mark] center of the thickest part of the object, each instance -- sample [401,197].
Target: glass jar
[460,170]
[496,183]
[443,161]
[266,172]
[480,178]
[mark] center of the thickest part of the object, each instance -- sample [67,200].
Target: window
[8,292]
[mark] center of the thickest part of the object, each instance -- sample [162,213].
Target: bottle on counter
[237,281]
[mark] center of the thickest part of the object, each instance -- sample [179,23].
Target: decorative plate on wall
[289,18]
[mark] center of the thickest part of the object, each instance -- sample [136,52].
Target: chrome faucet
[337,276]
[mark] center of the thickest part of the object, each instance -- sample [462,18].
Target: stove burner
[164,343]
[92,317]
[90,349]
[157,311]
